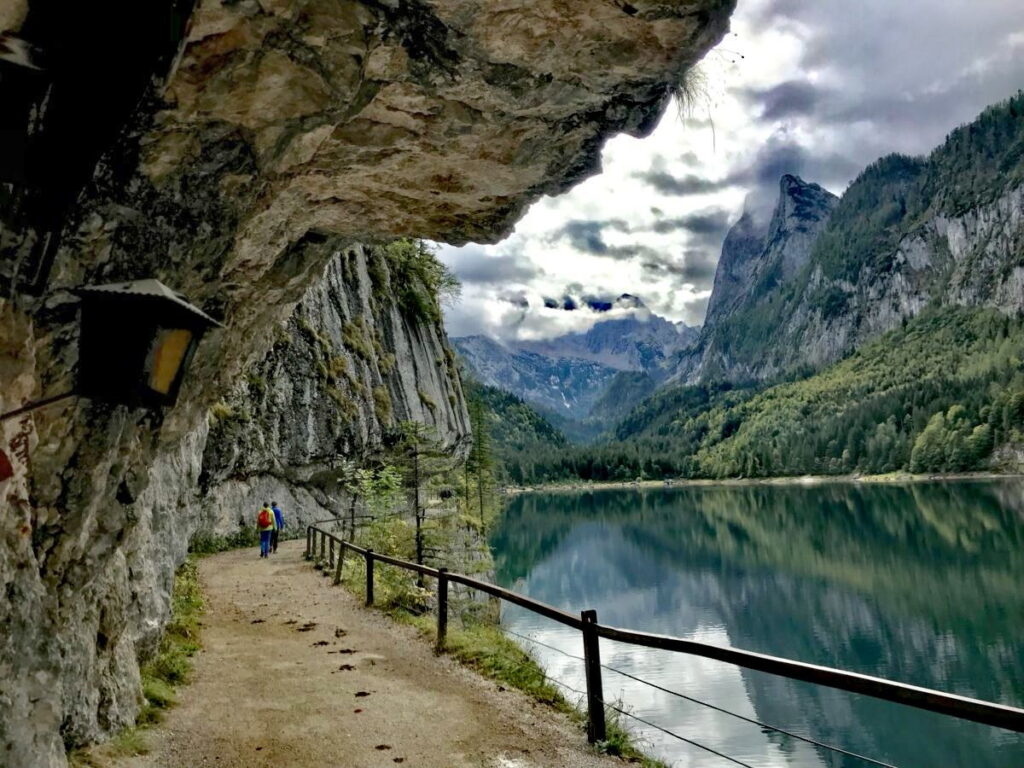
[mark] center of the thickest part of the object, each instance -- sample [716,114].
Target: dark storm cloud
[787,99]
[586,235]
[901,75]
[699,267]
[515,298]
[473,266]
[630,252]
[706,229]
[696,267]
[683,186]
[779,156]
[782,154]
[704,223]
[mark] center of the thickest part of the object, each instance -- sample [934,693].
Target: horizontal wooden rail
[425,570]
[987,713]
[962,707]
[536,606]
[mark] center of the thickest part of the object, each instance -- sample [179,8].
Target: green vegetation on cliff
[418,281]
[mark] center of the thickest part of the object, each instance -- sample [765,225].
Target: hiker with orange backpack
[266,525]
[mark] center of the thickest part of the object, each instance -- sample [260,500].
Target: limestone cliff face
[241,152]
[348,365]
[756,265]
[734,273]
[971,259]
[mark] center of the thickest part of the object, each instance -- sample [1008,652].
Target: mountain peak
[795,193]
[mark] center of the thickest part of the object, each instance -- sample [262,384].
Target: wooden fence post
[369,577]
[341,560]
[323,544]
[309,542]
[330,555]
[442,609]
[596,730]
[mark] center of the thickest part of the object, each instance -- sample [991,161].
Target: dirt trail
[295,673]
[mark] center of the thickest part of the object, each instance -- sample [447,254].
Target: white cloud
[817,89]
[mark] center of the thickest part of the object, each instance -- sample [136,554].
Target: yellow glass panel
[166,356]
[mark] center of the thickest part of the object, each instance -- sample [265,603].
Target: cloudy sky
[818,88]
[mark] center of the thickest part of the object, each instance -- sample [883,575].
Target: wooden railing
[988,713]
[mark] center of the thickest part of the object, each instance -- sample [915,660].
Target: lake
[921,583]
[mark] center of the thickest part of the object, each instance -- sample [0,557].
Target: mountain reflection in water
[921,583]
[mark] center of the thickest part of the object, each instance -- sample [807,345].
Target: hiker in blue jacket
[278,525]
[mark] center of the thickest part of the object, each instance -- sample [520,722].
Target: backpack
[264,519]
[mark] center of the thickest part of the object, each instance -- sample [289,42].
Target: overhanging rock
[272,138]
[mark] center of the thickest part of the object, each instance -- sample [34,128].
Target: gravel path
[295,674]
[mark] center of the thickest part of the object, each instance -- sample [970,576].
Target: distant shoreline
[890,477]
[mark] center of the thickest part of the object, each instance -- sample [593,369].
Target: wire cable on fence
[808,740]
[658,727]
[538,642]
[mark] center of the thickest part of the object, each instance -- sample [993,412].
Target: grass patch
[382,404]
[221,411]
[427,400]
[170,667]
[173,660]
[474,639]
[128,743]
[485,649]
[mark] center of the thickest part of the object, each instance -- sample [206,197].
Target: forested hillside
[934,396]
[512,423]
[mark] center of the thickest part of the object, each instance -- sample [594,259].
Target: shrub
[420,282]
[427,400]
[208,543]
[382,404]
[353,336]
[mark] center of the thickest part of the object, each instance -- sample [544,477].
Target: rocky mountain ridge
[640,341]
[757,263]
[567,387]
[569,376]
[908,233]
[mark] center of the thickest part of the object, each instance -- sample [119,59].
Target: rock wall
[756,266]
[967,259]
[348,365]
[263,139]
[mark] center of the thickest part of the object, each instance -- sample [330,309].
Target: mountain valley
[872,332]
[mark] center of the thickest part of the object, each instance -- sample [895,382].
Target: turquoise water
[922,583]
